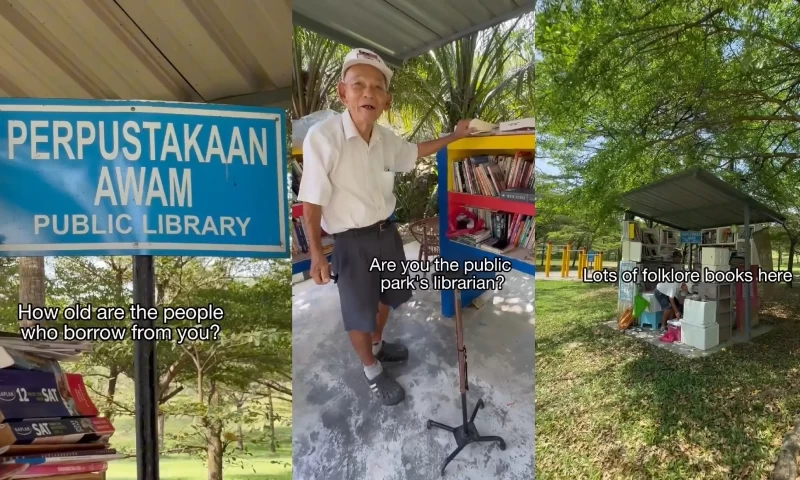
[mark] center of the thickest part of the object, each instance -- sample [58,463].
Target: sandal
[386,389]
[392,352]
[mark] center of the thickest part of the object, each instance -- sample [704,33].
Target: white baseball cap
[361,56]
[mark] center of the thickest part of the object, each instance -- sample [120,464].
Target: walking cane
[467,432]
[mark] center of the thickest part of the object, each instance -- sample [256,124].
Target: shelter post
[145,373]
[747,269]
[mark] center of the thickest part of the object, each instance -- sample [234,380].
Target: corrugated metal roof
[402,29]
[182,50]
[694,200]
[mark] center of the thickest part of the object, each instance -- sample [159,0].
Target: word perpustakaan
[662,275]
[133,140]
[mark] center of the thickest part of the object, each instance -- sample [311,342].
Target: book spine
[518,196]
[35,471]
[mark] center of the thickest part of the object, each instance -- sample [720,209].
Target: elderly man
[349,162]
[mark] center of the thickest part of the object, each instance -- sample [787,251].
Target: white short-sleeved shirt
[669,289]
[353,182]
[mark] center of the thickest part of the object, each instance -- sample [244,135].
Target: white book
[520,124]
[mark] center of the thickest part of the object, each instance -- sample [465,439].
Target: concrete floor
[341,433]
[652,337]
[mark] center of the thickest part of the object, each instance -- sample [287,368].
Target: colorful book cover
[26,394]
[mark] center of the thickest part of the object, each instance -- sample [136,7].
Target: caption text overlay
[470,277]
[203,323]
[708,275]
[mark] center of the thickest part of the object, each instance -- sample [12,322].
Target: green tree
[254,343]
[317,63]
[488,75]
[631,91]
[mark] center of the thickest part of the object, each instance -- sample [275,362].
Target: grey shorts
[360,288]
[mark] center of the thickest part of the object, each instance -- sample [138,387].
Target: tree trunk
[162,421]
[790,262]
[240,428]
[271,422]
[780,258]
[214,437]
[31,286]
[214,450]
[111,390]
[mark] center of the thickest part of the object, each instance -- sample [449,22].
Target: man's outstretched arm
[430,147]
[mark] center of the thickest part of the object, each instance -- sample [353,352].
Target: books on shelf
[299,241]
[297,175]
[504,232]
[495,175]
[49,426]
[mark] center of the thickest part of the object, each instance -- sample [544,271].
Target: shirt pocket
[387,183]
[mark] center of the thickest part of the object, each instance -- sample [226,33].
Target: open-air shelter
[695,199]
[399,30]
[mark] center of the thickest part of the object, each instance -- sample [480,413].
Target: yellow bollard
[547,258]
[565,261]
[581,262]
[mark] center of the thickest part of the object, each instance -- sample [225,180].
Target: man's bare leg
[386,351]
[666,315]
[362,344]
[380,323]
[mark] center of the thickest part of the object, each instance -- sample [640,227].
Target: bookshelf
[301,261]
[455,193]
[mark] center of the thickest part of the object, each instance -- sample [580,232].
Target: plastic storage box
[696,312]
[702,337]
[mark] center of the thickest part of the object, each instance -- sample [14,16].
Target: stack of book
[49,427]
[510,177]
[512,127]
[504,231]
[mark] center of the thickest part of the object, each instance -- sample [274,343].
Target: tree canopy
[628,92]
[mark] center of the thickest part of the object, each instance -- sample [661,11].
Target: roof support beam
[281,97]
[343,38]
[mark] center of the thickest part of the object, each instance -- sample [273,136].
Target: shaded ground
[609,406]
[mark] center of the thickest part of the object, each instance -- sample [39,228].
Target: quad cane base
[467,432]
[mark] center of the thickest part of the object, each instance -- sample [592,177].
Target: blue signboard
[142,178]
[692,238]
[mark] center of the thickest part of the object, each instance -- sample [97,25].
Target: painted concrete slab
[341,433]
[652,337]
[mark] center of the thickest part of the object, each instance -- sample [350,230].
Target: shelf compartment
[492,203]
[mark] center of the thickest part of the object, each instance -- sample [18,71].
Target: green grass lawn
[257,466]
[608,406]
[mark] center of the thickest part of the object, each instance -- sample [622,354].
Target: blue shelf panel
[305,265]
